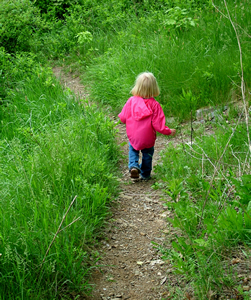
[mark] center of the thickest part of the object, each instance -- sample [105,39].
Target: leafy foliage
[20,22]
[55,8]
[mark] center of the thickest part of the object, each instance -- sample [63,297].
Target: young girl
[143,116]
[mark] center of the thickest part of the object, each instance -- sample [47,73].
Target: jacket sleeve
[123,114]
[159,120]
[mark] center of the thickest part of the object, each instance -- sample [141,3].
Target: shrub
[20,23]
[55,8]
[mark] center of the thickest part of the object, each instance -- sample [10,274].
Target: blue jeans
[145,167]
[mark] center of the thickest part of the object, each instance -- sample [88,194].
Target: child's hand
[173,132]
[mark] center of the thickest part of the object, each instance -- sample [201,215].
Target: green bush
[55,8]
[20,23]
[15,70]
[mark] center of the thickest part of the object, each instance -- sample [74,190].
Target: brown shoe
[134,173]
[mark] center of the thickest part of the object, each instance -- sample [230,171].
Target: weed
[226,223]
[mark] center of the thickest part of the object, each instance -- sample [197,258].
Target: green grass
[203,60]
[52,148]
[212,212]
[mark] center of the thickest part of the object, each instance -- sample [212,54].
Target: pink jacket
[143,117]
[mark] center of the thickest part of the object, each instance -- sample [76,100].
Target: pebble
[163,215]
[158,261]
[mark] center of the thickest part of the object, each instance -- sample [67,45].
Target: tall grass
[52,148]
[209,195]
[203,59]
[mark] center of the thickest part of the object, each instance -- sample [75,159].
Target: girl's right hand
[173,132]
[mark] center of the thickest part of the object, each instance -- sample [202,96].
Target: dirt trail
[131,268]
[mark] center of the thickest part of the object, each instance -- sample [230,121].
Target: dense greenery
[50,143]
[210,195]
[52,149]
[187,49]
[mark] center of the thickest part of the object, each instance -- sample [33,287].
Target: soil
[131,266]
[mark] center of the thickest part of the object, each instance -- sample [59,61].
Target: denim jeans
[145,167]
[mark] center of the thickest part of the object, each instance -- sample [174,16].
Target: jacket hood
[139,109]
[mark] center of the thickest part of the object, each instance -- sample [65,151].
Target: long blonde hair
[145,86]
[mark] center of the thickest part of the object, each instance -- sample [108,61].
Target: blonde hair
[145,86]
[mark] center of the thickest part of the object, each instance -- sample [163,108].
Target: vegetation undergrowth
[54,148]
[208,187]
[192,52]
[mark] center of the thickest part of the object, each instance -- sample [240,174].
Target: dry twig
[59,229]
[216,170]
[207,159]
[244,103]
[239,164]
[227,18]
[242,77]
